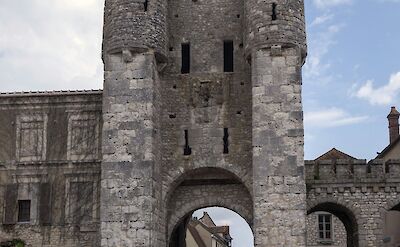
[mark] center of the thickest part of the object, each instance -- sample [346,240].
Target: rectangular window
[185,69]
[24,210]
[325,226]
[228,56]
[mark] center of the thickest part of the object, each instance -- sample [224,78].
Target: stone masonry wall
[187,199]
[278,166]
[358,192]
[129,193]
[338,232]
[49,145]
[135,25]
[271,22]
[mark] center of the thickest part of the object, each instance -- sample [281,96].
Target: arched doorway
[326,215]
[392,227]
[212,226]
[204,188]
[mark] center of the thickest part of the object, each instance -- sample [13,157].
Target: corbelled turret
[275,23]
[135,25]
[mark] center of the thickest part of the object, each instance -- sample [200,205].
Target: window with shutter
[10,204]
[45,204]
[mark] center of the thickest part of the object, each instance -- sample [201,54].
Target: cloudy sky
[351,78]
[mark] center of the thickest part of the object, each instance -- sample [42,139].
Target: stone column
[130,195]
[278,140]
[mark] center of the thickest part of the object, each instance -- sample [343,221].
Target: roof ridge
[335,150]
[49,92]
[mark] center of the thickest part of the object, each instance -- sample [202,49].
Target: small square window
[24,210]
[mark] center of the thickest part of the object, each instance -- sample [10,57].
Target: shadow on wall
[392,228]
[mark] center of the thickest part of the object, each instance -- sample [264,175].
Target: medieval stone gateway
[201,107]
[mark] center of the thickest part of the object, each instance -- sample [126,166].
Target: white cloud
[321,19]
[315,69]
[50,44]
[389,1]
[330,3]
[332,117]
[383,95]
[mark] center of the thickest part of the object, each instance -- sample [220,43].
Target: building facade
[201,107]
[204,232]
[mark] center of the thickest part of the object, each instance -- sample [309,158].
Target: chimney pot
[393,119]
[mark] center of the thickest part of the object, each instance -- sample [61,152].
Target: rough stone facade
[338,238]
[163,126]
[50,155]
[114,168]
[360,194]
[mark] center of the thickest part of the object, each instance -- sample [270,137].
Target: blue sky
[352,75]
[351,78]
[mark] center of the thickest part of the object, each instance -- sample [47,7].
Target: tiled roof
[334,154]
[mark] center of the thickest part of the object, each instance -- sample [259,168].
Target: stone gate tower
[202,107]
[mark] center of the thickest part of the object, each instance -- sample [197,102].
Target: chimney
[393,118]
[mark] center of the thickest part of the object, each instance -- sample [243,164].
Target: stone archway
[346,216]
[211,187]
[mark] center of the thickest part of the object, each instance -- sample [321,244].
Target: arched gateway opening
[204,188]
[326,213]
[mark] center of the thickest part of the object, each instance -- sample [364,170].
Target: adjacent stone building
[201,107]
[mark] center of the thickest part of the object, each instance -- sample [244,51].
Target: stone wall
[50,147]
[271,22]
[338,232]
[130,190]
[135,25]
[43,158]
[358,193]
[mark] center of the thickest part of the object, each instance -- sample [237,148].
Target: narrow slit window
[185,69]
[146,4]
[226,141]
[228,56]
[187,150]
[24,210]
[274,5]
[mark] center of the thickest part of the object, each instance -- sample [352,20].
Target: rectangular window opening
[187,150]
[226,141]
[185,68]
[228,56]
[324,226]
[146,3]
[24,210]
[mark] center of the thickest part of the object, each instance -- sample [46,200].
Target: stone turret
[134,42]
[272,23]
[275,42]
[393,119]
[135,25]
